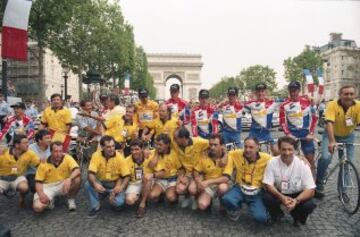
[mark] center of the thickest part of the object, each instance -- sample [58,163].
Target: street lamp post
[62,90]
[66,71]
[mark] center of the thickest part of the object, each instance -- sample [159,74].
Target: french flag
[321,81]
[309,80]
[14,30]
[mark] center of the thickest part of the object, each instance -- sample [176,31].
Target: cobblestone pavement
[328,219]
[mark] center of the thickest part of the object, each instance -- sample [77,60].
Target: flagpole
[4,67]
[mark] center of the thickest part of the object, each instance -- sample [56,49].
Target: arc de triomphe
[186,68]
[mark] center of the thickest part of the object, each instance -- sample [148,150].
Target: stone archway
[184,67]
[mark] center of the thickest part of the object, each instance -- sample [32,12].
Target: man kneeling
[57,176]
[108,175]
[289,182]
[208,174]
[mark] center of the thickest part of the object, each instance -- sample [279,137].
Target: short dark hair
[55,143]
[253,139]
[17,138]
[106,138]
[40,134]
[289,140]
[55,95]
[217,136]
[115,99]
[164,138]
[83,102]
[346,87]
[137,142]
[183,133]
[103,98]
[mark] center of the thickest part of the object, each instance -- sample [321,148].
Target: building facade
[26,82]
[341,65]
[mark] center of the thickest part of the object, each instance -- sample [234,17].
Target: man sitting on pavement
[59,175]
[288,181]
[108,174]
[13,165]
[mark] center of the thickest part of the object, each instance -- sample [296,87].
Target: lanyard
[251,174]
[292,169]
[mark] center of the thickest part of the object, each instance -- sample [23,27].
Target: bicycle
[348,179]
[83,148]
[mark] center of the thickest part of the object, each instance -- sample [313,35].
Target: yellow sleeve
[109,123]
[177,161]
[35,160]
[199,167]
[94,164]
[330,111]
[159,166]
[203,144]
[72,164]
[125,168]
[44,118]
[358,113]
[67,117]
[229,168]
[40,173]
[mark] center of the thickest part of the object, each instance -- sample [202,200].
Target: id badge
[138,173]
[14,170]
[284,185]
[349,122]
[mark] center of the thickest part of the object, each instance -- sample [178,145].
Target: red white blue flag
[309,80]
[321,81]
[14,30]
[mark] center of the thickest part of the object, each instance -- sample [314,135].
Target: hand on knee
[130,201]
[38,207]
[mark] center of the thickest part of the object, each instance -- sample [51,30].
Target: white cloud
[233,34]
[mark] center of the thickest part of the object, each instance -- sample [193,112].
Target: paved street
[329,219]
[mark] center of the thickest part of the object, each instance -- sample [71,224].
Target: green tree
[256,74]
[307,59]
[219,90]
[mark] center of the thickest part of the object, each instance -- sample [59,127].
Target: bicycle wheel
[349,187]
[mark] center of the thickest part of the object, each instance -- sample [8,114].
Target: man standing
[57,119]
[13,165]
[232,112]
[210,182]
[59,175]
[203,117]
[298,119]
[146,111]
[341,116]
[262,110]
[288,181]
[18,124]
[108,175]
[175,103]
[249,165]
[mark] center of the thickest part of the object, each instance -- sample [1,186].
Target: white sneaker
[185,203]
[51,204]
[71,204]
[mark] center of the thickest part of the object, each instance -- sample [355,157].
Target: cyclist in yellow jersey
[13,165]
[166,123]
[341,116]
[59,175]
[57,117]
[167,159]
[130,129]
[108,175]
[188,150]
[210,182]
[138,163]
[146,112]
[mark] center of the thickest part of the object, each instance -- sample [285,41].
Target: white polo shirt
[292,179]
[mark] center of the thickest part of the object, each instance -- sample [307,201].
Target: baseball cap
[294,85]
[204,94]
[174,88]
[143,92]
[18,105]
[260,86]
[232,91]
